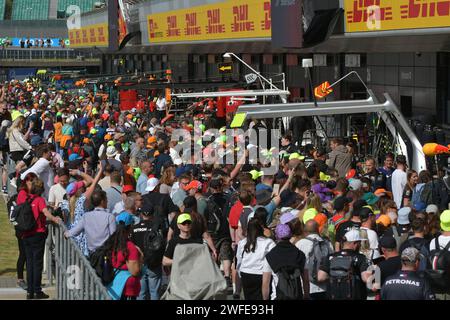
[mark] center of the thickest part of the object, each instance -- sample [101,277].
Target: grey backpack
[320,250]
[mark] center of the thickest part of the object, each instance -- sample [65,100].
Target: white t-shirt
[43,170]
[306,247]
[56,194]
[443,241]
[373,243]
[161,104]
[267,268]
[398,185]
[252,262]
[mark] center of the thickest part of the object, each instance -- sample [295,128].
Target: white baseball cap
[355,184]
[151,184]
[432,208]
[111,152]
[353,236]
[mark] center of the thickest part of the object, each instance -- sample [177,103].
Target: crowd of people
[324,226]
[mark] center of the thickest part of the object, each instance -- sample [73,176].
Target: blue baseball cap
[126,218]
[75,156]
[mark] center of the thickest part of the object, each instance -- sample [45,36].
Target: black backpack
[213,215]
[101,261]
[22,217]
[424,254]
[342,279]
[154,246]
[289,285]
[435,192]
[439,274]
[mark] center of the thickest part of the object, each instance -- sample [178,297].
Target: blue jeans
[58,149]
[150,283]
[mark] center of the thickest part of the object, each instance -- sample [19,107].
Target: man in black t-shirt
[377,178]
[284,256]
[392,263]
[344,227]
[166,209]
[152,271]
[355,276]
[407,284]
[418,239]
[184,223]
[222,238]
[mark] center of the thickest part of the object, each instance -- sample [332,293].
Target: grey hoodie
[340,159]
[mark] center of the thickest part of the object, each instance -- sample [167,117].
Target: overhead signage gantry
[388,112]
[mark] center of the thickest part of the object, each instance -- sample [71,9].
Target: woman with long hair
[24,189]
[18,145]
[250,255]
[126,260]
[167,180]
[411,181]
[34,240]
[261,214]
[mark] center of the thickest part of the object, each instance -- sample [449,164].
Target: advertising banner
[92,35]
[224,20]
[384,15]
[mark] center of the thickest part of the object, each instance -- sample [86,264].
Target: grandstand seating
[2,9]
[30,10]
[39,9]
[85,5]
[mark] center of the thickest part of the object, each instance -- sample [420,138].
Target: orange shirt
[58,131]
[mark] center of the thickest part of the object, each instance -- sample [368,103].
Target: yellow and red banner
[92,35]
[384,15]
[224,20]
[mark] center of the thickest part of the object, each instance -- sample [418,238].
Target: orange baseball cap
[108,137]
[384,220]
[382,192]
[152,139]
[194,184]
[321,219]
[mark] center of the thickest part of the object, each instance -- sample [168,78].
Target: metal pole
[315,101]
[248,66]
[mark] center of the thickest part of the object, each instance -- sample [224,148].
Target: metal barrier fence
[75,278]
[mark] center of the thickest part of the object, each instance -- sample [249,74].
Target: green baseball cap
[182,218]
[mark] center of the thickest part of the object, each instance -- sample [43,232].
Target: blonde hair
[314,202]
[18,124]
[72,205]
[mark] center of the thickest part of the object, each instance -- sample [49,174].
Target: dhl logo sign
[323,90]
[384,15]
[229,19]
